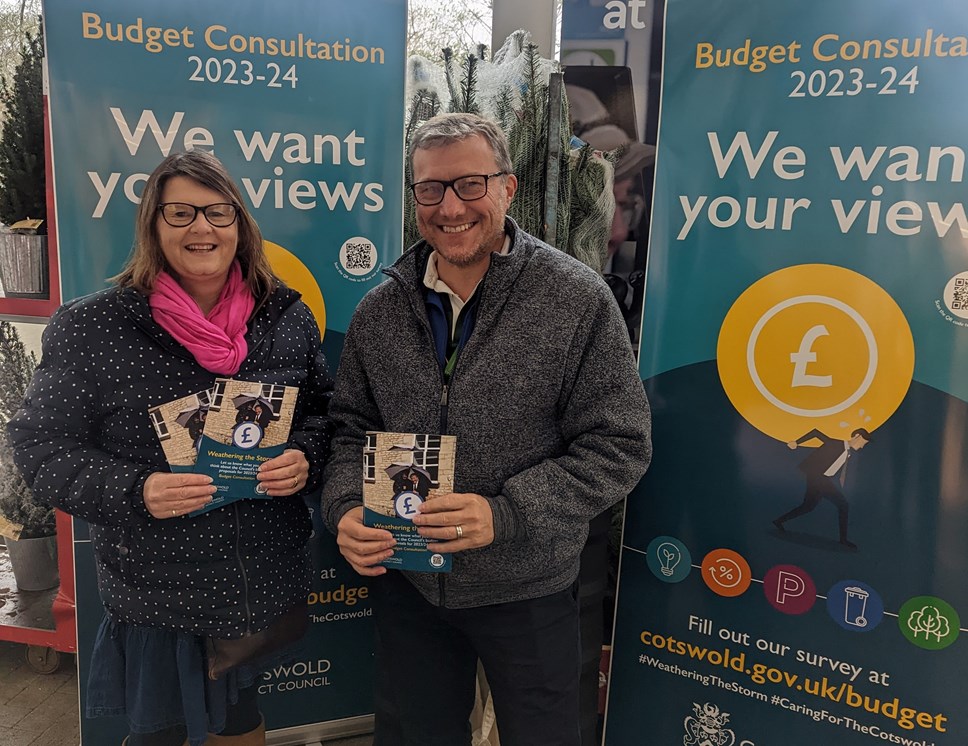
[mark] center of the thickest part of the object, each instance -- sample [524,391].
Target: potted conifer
[29,528]
[23,200]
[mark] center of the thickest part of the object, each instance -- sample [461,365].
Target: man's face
[463,233]
[857,442]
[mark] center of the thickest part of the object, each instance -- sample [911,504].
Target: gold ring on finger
[174,513]
[460,531]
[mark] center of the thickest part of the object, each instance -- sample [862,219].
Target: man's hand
[285,474]
[362,546]
[174,495]
[457,521]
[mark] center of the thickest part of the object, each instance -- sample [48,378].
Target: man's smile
[456,228]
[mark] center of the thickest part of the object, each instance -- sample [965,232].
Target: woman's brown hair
[147,259]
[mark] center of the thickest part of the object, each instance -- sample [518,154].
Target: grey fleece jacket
[551,418]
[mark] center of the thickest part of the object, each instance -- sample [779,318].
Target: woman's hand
[285,474]
[174,495]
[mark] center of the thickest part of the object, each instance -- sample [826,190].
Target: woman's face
[199,255]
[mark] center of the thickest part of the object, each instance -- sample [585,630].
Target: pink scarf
[218,340]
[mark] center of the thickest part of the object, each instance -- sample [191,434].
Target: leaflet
[178,425]
[227,433]
[400,471]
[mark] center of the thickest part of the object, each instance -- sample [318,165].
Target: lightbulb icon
[669,556]
[668,559]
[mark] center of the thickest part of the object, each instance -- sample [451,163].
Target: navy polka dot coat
[84,443]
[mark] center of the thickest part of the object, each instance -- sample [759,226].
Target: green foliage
[528,142]
[424,105]
[468,87]
[22,178]
[17,503]
[16,367]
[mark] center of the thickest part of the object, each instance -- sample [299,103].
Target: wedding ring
[295,481]
[460,531]
[174,513]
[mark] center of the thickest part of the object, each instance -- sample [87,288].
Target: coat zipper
[441,585]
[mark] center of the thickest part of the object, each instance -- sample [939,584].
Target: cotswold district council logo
[707,727]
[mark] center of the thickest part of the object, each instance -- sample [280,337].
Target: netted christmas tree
[17,503]
[22,179]
[564,194]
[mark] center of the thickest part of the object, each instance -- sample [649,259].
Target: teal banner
[793,563]
[303,101]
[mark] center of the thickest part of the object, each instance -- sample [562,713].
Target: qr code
[359,255]
[959,296]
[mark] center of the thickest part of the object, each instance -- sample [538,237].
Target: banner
[794,561]
[303,102]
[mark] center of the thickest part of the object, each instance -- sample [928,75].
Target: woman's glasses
[180,214]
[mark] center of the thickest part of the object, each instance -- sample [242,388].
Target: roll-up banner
[303,102]
[794,562]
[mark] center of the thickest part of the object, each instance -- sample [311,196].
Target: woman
[197,299]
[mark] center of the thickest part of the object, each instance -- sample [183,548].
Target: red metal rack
[44,645]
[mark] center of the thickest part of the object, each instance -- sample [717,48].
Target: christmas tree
[17,503]
[22,184]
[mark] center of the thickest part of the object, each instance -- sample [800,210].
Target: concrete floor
[37,709]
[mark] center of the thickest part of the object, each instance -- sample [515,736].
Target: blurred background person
[592,123]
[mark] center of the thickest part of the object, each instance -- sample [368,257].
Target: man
[826,471]
[485,333]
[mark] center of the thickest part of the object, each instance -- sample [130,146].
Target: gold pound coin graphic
[815,346]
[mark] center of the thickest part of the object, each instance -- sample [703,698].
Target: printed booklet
[400,471]
[227,433]
[178,425]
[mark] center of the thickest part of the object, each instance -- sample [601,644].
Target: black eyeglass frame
[452,185]
[199,209]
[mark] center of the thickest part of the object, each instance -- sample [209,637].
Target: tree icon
[929,621]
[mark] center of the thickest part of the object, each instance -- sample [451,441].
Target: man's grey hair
[445,129]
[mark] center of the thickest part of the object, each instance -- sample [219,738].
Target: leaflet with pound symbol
[400,471]
[247,423]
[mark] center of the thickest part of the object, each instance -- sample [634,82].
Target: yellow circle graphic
[296,275]
[815,347]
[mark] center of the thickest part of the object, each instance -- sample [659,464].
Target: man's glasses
[180,214]
[467,188]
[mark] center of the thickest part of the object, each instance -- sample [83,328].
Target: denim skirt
[158,679]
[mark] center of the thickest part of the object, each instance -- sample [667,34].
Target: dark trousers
[426,662]
[818,488]
[593,583]
[242,717]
